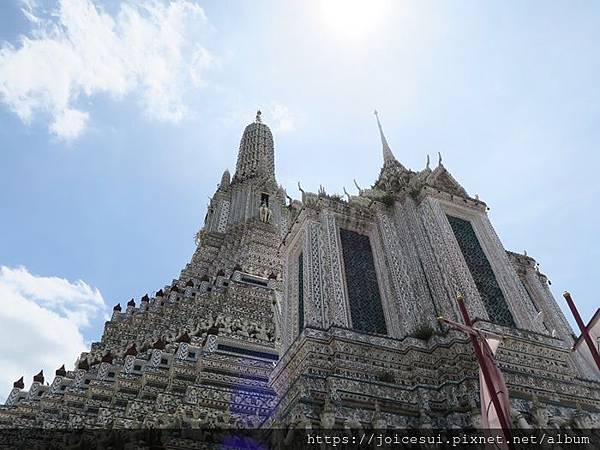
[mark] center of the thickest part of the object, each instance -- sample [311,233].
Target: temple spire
[387,151]
[256,153]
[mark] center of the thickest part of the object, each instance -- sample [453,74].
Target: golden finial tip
[460,297]
[440,318]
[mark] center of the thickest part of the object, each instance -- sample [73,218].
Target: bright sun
[351,18]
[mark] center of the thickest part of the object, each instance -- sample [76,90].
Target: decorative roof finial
[39,377]
[131,351]
[258,116]
[19,384]
[439,159]
[61,371]
[347,195]
[427,166]
[387,151]
[83,365]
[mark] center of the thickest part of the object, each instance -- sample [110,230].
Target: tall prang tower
[200,351]
[323,312]
[247,217]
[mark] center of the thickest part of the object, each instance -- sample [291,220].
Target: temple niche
[321,312]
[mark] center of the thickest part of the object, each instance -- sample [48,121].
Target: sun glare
[351,18]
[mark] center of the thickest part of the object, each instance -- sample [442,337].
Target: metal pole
[584,331]
[486,375]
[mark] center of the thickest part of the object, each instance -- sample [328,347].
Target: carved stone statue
[378,422]
[580,419]
[199,236]
[288,439]
[425,420]
[373,194]
[454,421]
[243,328]
[181,419]
[225,323]
[353,423]
[540,414]
[264,212]
[519,419]
[261,332]
[328,415]
[476,418]
[557,422]
[303,422]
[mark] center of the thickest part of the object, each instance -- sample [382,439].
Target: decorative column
[38,380]
[158,299]
[314,295]
[337,313]
[555,314]
[517,298]
[409,308]
[211,343]
[116,311]
[223,216]
[189,288]
[184,344]
[130,355]
[58,378]
[157,351]
[82,369]
[435,279]
[105,365]
[450,260]
[18,386]
[278,317]
[174,292]
[145,303]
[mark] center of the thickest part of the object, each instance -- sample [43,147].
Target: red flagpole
[486,374]
[584,331]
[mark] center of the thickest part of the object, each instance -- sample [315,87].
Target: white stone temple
[323,312]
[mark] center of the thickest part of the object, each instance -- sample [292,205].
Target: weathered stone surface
[226,344]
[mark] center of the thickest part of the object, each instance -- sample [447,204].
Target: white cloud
[149,48]
[69,123]
[42,320]
[28,10]
[283,119]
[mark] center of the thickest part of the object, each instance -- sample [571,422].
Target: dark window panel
[300,293]
[366,309]
[481,271]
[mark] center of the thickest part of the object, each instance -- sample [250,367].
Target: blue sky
[118,118]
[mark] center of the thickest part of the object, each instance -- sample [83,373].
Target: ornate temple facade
[323,312]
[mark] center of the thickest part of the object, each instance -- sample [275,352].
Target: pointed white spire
[225,179]
[387,151]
